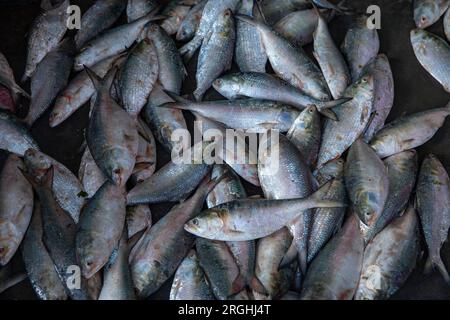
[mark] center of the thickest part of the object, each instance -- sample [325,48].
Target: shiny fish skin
[220,267]
[138,218]
[111,136]
[163,121]
[67,190]
[383,80]
[409,132]
[211,12]
[332,170]
[45,89]
[191,22]
[7,79]
[249,52]
[216,53]
[98,18]
[428,12]
[175,11]
[433,54]
[46,32]
[138,8]
[59,234]
[390,258]
[249,219]
[171,68]
[117,280]
[100,227]
[14,136]
[353,117]
[171,183]
[111,43]
[402,172]
[79,90]
[190,282]
[343,256]
[330,59]
[447,24]
[305,134]
[360,46]
[153,264]
[367,182]
[433,205]
[246,114]
[16,207]
[89,174]
[289,62]
[38,263]
[138,76]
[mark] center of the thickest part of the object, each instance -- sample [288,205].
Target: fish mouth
[191,227]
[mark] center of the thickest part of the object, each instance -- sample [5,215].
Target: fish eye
[423,18]
[364,80]
[195,222]
[218,82]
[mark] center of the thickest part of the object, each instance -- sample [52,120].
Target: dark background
[415,90]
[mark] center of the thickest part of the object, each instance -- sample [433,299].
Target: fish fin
[238,285]
[329,114]
[99,83]
[176,97]
[189,49]
[256,285]
[246,19]
[303,260]
[340,8]
[333,103]
[439,264]
[363,132]
[322,192]
[12,281]
[260,11]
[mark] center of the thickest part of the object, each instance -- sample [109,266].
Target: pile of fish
[341,218]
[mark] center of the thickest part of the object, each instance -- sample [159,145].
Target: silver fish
[15,137]
[7,79]
[175,11]
[428,12]
[89,174]
[409,132]
[332,170]
[433,54]
[433,205]
[138,218]
[16,207]
[273,11]
[390,258]
[46,32]
[360,46]
[447,24]
[249,53]
[367,182]
[138,8]
[191,22]
[98,18]
[145,159]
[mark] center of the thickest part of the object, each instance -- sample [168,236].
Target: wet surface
[415,90]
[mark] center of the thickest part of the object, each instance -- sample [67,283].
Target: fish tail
[435,261]
[188,50]
[176,97]
[17,89]
[318,197]
[333,103]
[99,83]
[246,19]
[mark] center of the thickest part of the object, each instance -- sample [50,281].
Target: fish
[90,175]
[305,134]
[47,30]
[190,282]
[240,220]
[111,136]
[343,256]
[117,280]
[332,170]
[98,18]
[428,12]
[145,159]
[152,264]
[246,114]
[139,8]
[402,173]
[383,101]
[171,68]
[191,22]
[409,132]
[39,265]
[274,11]
[367,182]
[220,268]
[293,179]
[433,53]
[79,91]
[265,86]
[330,59]
[433,206]
[100,228]
[7,79]
[59,231]
[216,53]
[447,24]
[354,116]
[230,188]
[163,121]
[289,62]
[249,51]
[16,207]
[390,258]
[138,218]
[210,14]
[112,42]
[45,89]
[175,11]
[15,137]
[138,76]
[66,188]
[360,46]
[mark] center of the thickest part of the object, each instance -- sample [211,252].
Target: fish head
[427,13]
[152,31]
[228,86]
[36,162]
[206,225]
[88,257]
